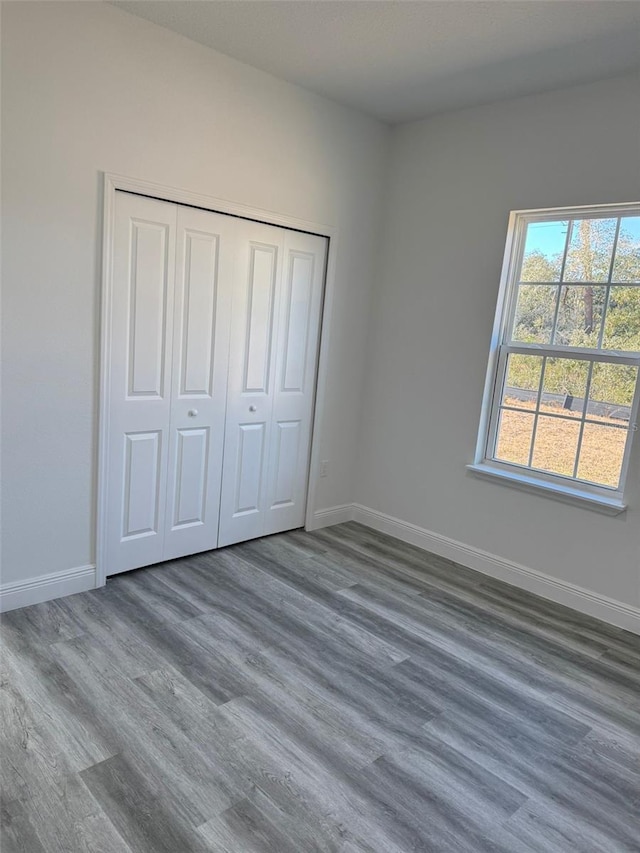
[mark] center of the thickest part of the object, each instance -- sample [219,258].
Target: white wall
[88,88]
[453,181]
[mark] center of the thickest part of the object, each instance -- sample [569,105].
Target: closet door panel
[286,450]
[139,380]
[249,466]
[274,343]
[252,366]
[191,468]
[204,270]
[196,311]
[141,505]
[147,340]
[294,388]
[296,321]
[261,287]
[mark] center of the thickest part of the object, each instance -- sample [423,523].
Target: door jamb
[113,183]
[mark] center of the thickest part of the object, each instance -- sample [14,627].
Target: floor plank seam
[328,692]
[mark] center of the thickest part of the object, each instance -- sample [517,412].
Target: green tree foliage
[622,325]
[536,266]
[580,311]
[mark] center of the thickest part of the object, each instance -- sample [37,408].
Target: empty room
[320,465]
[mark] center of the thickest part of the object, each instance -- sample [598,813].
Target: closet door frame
[113,183]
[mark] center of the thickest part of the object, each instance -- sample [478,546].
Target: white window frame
[602,498]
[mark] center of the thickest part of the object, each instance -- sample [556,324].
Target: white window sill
[530,483]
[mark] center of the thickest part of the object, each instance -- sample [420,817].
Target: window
[561,396]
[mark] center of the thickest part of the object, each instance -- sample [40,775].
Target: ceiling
[400,60]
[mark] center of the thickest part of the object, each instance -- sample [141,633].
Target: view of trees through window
[567,391]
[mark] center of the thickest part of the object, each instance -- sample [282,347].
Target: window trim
[602,498]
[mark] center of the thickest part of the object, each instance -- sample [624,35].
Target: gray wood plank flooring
[337,691]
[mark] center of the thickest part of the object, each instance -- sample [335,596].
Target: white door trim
[113,183]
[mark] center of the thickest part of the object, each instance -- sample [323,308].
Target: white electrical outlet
[324,467]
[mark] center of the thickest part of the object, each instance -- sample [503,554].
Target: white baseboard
[561,592]
[329,517]
[46,587]
[70,581]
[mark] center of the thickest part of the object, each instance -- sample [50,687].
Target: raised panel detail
[141,483]
[262,269]
[192,457]
[299,289]
[287,436]
[249,472]
[147,308]
[198,313]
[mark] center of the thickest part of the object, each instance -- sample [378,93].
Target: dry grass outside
[556,442]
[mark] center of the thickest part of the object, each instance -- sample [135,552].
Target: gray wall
[453,181]
[88,88]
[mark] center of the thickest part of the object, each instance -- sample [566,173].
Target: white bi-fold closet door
[277,299]
[213,337]
[172,271]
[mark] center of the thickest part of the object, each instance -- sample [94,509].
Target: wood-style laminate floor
[334,691]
